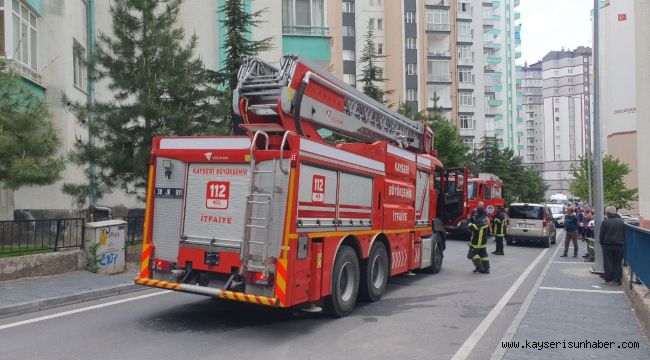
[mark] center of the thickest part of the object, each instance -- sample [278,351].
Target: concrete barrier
[58,262]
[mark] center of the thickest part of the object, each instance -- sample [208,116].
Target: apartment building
[44,41]
[642,39]
[567,111]
[453,55]
[532,101]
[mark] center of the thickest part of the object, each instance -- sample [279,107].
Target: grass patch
[10,251]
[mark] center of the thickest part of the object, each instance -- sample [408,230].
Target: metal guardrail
[134,229]
[31,236]
[637,252]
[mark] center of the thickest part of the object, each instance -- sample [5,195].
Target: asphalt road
[420,317]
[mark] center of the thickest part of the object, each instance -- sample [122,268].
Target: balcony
[493,59]
[466,85]
[520,107]
[444,28]
[465,15]
[439,3]
[520,133]
[520,121]
[305,30]
[493,88]
[24,70]
[466,108]
[517,15]
[517,54]
[517,3]
[498,117]
[465,62]
[520,146]
[498,131]
[495,102]
[435,78]
[465,39]
[492,45]
[435,53]
[496,4]
[311,42]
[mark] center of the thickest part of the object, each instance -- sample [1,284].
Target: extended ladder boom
[303,97]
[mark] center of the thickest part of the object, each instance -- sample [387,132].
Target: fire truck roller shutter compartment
[215,204]
[317,198]
[274,191]
[422,198]
[168,207]
[355,201]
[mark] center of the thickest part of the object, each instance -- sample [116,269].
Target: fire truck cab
[281,218]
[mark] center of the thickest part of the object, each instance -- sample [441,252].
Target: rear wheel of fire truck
[436,255]
[345,283]
[374,273]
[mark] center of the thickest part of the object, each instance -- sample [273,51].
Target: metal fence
[28,236]
[637,252]
[134,229]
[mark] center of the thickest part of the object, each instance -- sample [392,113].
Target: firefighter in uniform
[499,226]
[479,227]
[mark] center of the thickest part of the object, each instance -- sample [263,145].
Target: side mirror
[434,153]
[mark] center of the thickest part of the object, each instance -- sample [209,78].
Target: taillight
[162,265]
[260,278]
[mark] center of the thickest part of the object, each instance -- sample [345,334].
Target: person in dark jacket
[499,226]
[571,229]
[612,239]
[479,227]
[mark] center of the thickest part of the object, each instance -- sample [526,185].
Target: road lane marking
[572,262]
[478,333]
[581,290]
[76,311]
[500,352]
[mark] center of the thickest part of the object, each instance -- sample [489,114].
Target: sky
[549,25]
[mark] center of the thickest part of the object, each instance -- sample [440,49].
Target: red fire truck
[281,218]
[486,188]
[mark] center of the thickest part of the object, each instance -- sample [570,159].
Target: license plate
[523,226]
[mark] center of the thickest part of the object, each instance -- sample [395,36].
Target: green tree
[237,24]
[370,71]
[28,140]
[519,182]
[614,172]
[158,88]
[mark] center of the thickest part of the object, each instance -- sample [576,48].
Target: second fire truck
[280,217]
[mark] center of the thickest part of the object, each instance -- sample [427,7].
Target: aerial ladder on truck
[282,218]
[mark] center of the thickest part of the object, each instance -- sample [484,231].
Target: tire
[547,242]
[437,255]
[374,274]
[345,283]
[554,241]
[509,241]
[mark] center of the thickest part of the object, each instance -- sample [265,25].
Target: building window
[466,99]
[465,52]
[411,43]
[380,74]
[371,23]
[348,55]
[469,140]
[19,33]
[302,16]
[348,30]
[465,76]
[411,69]
[411,94]
[380,49]
[380,24]
[467,122]
[438,20]
[348,7]
[79,68]
[350,79]
[410,17]
[464,31]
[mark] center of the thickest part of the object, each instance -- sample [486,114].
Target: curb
[640,307]
[47,303]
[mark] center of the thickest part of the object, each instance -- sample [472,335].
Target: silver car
[530,222]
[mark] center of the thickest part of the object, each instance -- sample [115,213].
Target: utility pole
[90,102]
[598,154]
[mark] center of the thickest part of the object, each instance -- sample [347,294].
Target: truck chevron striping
[275,217]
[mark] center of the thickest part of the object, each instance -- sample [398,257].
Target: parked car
[558,211]
[530,222]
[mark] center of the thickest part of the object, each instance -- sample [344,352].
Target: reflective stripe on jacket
[478,237]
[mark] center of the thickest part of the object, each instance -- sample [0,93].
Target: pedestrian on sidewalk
[499,230]
[571,228]
[612,239]
[479,227]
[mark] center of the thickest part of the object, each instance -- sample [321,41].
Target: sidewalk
[34,294]
[571,305]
